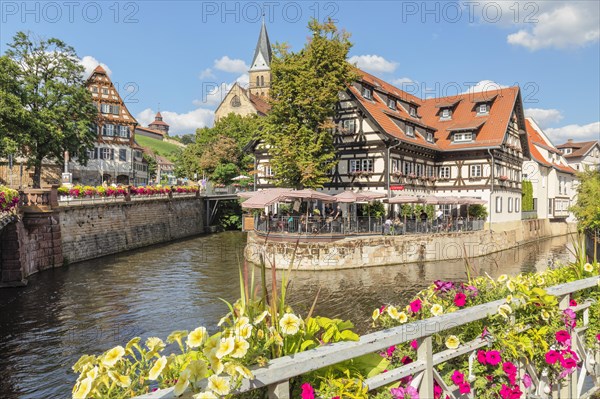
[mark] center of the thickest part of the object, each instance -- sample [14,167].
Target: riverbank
[366,251]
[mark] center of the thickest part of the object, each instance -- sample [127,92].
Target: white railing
[69,201]
[278,372]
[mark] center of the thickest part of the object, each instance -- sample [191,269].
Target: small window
[462,137]
[262,81]
[235,101]
[429,137]
[392,103]
[106,153]
[445,113]
[444,172]
[268,171]
[410,131]
[367,93]
[498,204]
[408,167]
[104,90]
[105,108]
[567,150]
[354,165]
[349,125]
[413,111]
[475,170]
[517,204]
[257,81]
[419,169]
[108,130]
[114,109]
[123,131]
[94,89]
[510,205]
[367,165]
[122,154]
[482,109]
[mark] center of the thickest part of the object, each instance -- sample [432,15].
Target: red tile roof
[490,128]
[158,123]
[579,148]
[535,140]
[99,69]
[150,130]
[261,105]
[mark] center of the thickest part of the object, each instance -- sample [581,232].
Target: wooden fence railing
[278,372]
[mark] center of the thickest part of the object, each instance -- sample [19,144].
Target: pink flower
[509,368]
[505,392]
[481,357]
[460,299]
[570,318]
[415,305]
[526,381]
[307,391]
[437,391]
[493,357]
[568,363]
[552,356]
[562,336]
[390,350]
[464,388]
[415,345]
[473,289]
[572,302]
[405,393]
[516,393]
[598,337]
[458,377]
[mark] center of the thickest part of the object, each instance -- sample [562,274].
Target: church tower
[260,71]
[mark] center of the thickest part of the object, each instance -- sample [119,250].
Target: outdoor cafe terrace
[313,220]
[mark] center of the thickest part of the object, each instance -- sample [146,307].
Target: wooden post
[425,354]
[279,391]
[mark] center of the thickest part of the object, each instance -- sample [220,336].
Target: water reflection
[95,305]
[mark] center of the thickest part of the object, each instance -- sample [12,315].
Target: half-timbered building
[390,141]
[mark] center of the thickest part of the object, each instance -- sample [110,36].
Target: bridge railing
[276,375]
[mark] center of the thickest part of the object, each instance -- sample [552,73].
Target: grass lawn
[159,147]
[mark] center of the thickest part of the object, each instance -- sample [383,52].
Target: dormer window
[367,92]
[429,137]
[391,103]
[482,109]
[410,131]
[413,111]
[462,137]
[446,114]
[567,151]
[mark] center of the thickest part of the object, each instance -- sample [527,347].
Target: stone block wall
[95,230]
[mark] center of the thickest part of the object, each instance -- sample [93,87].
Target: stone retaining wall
[354,252]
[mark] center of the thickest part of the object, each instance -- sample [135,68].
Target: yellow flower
[93,373]
[540,280]
[82,389]
[260,334]
[197,337]
[211,343]
[223,319]
[504,310]
[393,312]
[244,331]
[85,362]
[240,348]
[198,370]
[226,346]
[545,315]
[158,367]
[588,268]
[215,362]
[509,298]
[376,314]
[402,317]
[121,380]
[511,286]
[261,317]
[242,321]
[182,383]
[452,342]
[290,324]
[244,372]
[205,395]
[177,336]
[113,356]
[218,385]
[131,343]
[437,310]
[502,278]
[155,344]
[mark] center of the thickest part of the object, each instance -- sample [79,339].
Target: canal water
[92,306]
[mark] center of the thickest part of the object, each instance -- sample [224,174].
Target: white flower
[437,310]
[504,310]
[197,337]
[182,382]
[240,347]
[452,342]
[205,395]
[588,268]
[226,346]
[218,385]
[158,367]
[502,278]
[510,285]
[290,324]
[376,314]
[402,317]
[260,317]
[393,312]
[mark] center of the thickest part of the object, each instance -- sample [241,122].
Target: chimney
[570,140]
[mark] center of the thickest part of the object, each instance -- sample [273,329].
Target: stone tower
[260,71]
[159,124]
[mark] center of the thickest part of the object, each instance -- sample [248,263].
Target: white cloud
[215,93]
[179,123]
[90,63]
[570,25]
[589,132]
[482,86]
[207,74]
[402,81]
[231,65]
[373,63]
[544,117]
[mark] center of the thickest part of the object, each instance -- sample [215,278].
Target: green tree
[12,111]
[527,192]
[54,107]
[187,139]
[152,166]
[304,92]
[587,208]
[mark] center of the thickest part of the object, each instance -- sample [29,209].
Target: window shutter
[112,154]
[96,153]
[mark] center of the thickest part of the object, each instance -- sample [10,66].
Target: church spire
[262,53]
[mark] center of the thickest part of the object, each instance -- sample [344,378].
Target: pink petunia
[572,302]
[562,336]
[598,337]
[481,357]
[437,391]
[307,391]
[505,392]
[527,381]
[552,356]
[414,344]
[509,368]
[415,306]
[460,299]
[390,351]
[493,357]
[464,388]
[568,363]
[457,377]
[516,393]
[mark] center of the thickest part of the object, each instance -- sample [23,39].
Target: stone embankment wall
[92,231]
[45,235]
[354,252]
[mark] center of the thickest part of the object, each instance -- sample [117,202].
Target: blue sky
[183,54]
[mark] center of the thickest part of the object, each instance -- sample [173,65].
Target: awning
[403,199]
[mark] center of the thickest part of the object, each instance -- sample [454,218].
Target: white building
[581,155]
